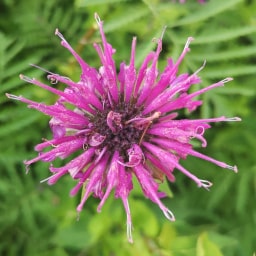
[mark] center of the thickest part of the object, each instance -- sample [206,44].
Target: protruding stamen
[57,33]
[27,79]
[226,80]
[168,214]
[190,39]
[44,180]
[201,68]
[218,84]
[43,69]
[128,219]
[232,168]
[13,97]
[97,18]
[52,79]
[205,184]
[27,168]
[129,232]
[233,119]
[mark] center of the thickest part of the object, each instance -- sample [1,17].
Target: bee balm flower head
[122,125]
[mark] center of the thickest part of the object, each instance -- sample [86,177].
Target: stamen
[201,68]
[128,219]
[52,80]
[97,18]
[168,214]
[60,35]
[205,184]
[232,168]
[27,79]
[129,232]
[226,80]
[13,97]
[43,69]
[218,84]
[44,180]
[190,39]
[27,167]
[232,119]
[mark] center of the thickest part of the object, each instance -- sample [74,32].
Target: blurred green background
[37,219]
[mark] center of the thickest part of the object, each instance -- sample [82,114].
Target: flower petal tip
[129,233]
[205,184]
[227,79]
[12,97]
[168,214]
[97,18]
[233,119]
[79,208]
[232,168]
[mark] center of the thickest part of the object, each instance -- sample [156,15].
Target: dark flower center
[112,123]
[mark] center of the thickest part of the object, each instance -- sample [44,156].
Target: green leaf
[85,3]
[232,71]
[123,19]
[167,234]
[204,12]
[205,247]
[234,53]
[13,125]
[221,36]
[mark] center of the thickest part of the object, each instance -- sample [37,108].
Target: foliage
[36,219]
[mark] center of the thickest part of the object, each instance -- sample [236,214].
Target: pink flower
[123,125]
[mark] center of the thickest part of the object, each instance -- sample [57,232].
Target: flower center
[113,125]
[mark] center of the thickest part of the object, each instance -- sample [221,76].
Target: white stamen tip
[205,184]
[129,233]
[57,33]
[201,68]
[43,69]
[233,119]
[226,80]
[232,168]
[190,39]
[97,18]
[27,168]
[27,79]
[168,214]
[44,180]
[13,97]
